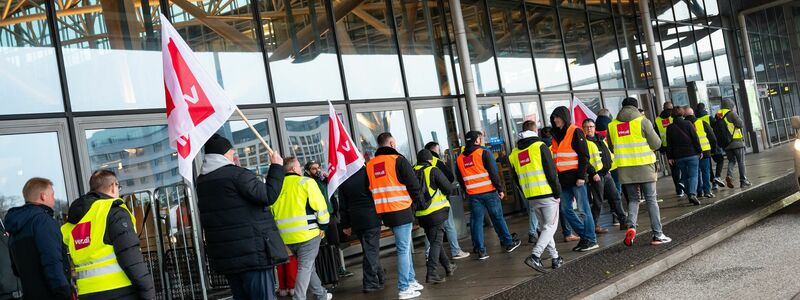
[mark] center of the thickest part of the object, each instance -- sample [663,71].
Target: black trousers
[435,235]
[374,276]
[605,190]
[252,285]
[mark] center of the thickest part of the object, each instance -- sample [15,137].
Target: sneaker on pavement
[408,294]
[535,263]
[615,223]
[623,226]
[746,183]
[372,289]
[571,238]
[600,230]
[709,195]
[630,235]
[681,188]
[482,255]
[589,246]
[514,244]
[681,195]
[719,182]
[416,286]
[461,254]
[579,246]
[557,262]
[435,279]
[729,182]
[661,239]
[532,239]
[450,269]
[693,199]
[345,273]
[329,296]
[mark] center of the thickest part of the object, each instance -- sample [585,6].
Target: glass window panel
[27,60]
[130,152]
[605,48]
[613,102]
[682,11]
[758,57]
[513,48]
[494,130]
[305,133]
[711,8]
[706,55]
[251,153]
[371,124]
[438,124]
[769,56]
[624,7]
[598,5]
[550,104]
[580,61]
[426,54]
[547,49]
[301,51]
[519,112]
[672,55]
[788,104]
[18,164]
[689,53]
[631,50]
[720,56]
[480,48]
[663,9]
[679,97]
[369,53]
[591,100]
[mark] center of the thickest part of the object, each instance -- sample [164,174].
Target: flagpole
[258,135]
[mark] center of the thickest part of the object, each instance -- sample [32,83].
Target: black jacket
[119,233]
[605,153]
[38,254]
[682,140]
[712,139]
[357,209]
[241,234]
[444,168]
[407,177]
[488,164]
[548,165]
[569,177]
[665,114]
[438,182]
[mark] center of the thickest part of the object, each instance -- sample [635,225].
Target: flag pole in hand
[258,135]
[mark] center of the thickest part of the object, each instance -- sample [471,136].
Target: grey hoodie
[638,174]
[211,162]
[737,121]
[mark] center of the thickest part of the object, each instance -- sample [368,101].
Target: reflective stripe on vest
[476,177]
[595,157]
[662,124]
[566,158]
[438,200]
[296,223]
[95,262]
[388,194]
[630,146]
[736,133]
[705,145]
[527,163]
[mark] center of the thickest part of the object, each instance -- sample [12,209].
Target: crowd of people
[286,220]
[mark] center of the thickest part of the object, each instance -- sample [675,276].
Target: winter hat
[630,102]
[217,145]
[424,155]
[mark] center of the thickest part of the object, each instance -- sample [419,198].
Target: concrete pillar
[474,123]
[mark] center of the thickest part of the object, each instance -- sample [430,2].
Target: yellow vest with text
[300,209]
[95,261]
[735,132]
[630,146]
[701,133]
[706,118]
[662,124]
[438,199]
[527,163]
[595,156]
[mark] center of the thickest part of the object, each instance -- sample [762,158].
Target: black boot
[434,278]
[450,269]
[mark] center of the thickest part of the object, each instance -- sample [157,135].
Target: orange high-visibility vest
[388,193]
[565,157]
[476,177]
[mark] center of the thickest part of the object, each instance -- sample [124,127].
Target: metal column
[647,27]
[465,65]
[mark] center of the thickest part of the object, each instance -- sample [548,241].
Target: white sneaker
[408,294]
[330,296]
[461,255]
[416,286]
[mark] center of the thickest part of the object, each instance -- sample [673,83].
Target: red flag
[344,159]
[580,112]
[196,105]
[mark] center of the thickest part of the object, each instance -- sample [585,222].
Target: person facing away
[534,173]
[449,225]
[735,150]
[242,238]
[633,139]
[435,150]
[603,119]
[38,255]
[396,192]
[684,151]
[102,241]
[663,120]
[432,219]
[707,142]
[302,217]
[602,184]
[313,169]
[571,155]
[478,176]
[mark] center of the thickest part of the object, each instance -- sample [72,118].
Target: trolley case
[328,265]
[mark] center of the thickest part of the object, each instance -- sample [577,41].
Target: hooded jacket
[737,121]
[570,177]
[638,174]
[357,209]
[438,182]
[601,124]
[406,176]
[240,230]
[682,140]
[120,234]
[712,140]
[548,165]
[444,168]
[39,256]
[488,163]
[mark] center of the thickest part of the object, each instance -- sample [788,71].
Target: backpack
[10,286]
[724,137]
[427,198]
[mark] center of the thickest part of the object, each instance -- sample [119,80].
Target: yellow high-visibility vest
[613,162]
[527,163]
[701,133]
[95,261]
[706,119]
[595,156]
[735,132]
[630,146]
[438,199]
[662,124]
[295,224]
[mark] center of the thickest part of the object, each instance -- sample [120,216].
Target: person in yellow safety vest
[717,153]
[601,185]
[449,225]
[302,216]
[663,120]
[100,234]
[534,173]
[735,150]
[432,219]
[707,142]
[633,139]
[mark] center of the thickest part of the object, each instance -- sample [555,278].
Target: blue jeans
[704,183]
[491,202]
[533,222]
[566,230]
[688,167]
[585,227]
[405,265]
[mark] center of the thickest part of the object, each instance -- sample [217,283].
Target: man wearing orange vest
[571,155]
[478,177]
[397,192]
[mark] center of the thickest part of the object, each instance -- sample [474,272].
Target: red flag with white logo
[344,159]
[580,112]
[196,105]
